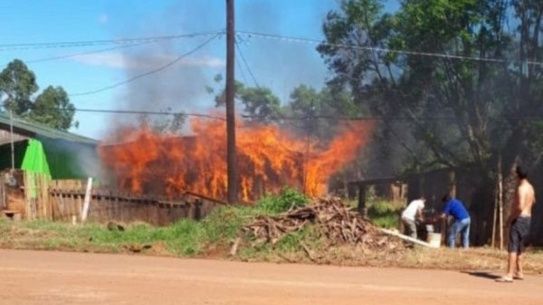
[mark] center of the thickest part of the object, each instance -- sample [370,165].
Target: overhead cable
[378,49]
[118,111]
[246,64]
[52,58]
[153,71]
[87,43]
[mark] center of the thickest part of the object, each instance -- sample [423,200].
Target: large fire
[268,159]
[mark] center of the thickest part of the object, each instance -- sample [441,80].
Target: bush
[223,224]
[384,214]
[288,198]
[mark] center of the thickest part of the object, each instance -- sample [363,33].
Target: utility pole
[231,160]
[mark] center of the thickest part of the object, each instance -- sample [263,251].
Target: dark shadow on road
[483,274]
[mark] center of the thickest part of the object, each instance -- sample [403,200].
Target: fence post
[86,201]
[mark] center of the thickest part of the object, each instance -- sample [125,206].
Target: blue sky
[276,64]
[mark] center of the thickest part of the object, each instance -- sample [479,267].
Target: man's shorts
[518,235]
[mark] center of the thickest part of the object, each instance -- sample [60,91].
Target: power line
[118,111]
[241,72]
[352,118]
[377,49]
[286,118]
[87,43]
[159,69]
[247,116]
[86,53]
[246,64]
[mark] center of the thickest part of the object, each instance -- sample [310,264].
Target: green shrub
[223,224]
[287,199]
[384,213]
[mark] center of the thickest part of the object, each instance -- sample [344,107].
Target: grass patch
[385,214]
[214,235]
[183,238]
[289,198]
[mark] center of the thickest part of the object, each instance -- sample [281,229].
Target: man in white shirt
[411,214]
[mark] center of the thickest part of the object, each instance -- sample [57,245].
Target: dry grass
[474,259]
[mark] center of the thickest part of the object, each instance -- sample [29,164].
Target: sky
[279,65]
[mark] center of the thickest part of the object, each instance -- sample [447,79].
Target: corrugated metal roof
[29,128]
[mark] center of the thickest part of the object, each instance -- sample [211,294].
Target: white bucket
[434,239]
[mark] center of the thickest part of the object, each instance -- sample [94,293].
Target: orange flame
[268,159]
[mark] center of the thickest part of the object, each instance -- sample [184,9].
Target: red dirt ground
[32,277]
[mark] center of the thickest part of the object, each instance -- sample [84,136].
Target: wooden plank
[86,201]
[408,238]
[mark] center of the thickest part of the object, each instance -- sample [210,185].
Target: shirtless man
[519,220]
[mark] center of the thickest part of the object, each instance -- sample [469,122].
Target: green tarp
[70,160]
[34,160]
[56,159]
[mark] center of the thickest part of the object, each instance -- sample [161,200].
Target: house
[67,155]
[39,154]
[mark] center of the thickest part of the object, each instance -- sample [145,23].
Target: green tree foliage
[52,107]
[172,125]
[17,85]
[259,103]
[443,110]
[319,113]
[476,103]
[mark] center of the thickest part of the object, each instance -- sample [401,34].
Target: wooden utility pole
[231,160]
[495,215]
[500,200]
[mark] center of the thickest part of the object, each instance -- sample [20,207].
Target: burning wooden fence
[63,200]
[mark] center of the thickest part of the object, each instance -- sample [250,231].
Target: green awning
[34,160]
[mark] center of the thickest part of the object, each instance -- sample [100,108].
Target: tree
[17,85]
[449,110]
[53,108]
[259,103]
[318,113]
[473,97]
[171,125]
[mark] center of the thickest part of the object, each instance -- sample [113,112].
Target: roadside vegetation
[385,214]
[215,236]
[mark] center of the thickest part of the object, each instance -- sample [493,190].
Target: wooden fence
[36,197]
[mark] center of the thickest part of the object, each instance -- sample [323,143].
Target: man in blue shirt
[456,209]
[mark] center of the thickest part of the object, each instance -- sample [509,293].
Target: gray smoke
[280,65]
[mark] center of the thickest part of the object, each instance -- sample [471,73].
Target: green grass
[214,235]
[186,237]
[385,214]
[183,238]
[288,198]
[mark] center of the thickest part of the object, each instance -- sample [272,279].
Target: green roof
[39,130]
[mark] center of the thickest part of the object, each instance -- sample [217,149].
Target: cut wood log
[334,220]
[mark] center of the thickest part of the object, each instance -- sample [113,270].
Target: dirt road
[29,277]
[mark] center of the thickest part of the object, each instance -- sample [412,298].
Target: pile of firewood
[334,220]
